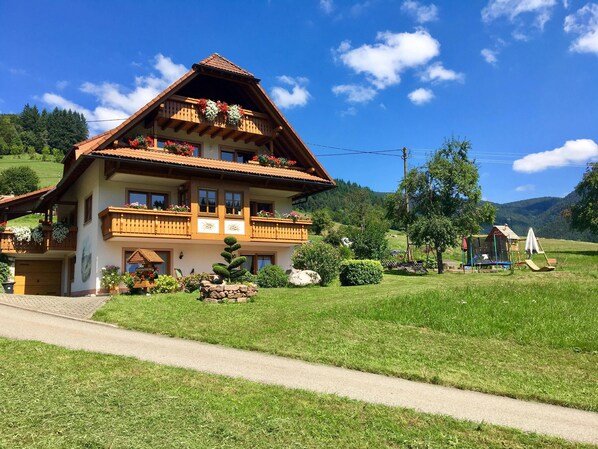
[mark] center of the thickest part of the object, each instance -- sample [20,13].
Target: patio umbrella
[531,244]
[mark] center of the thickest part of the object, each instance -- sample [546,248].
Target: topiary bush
[191,283]
[272,276]
[320,257]
[360,272]
[165,284]
[230,271]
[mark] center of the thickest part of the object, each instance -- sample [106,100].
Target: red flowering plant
[2,226]
[140,142]
[180,148]
[265,213]
[273,161]
[202,103]
[179,208]
[145,274]
[292,215]
[222,107]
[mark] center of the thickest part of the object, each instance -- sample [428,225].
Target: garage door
[38,277]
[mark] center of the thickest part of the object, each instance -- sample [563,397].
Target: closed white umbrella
[531,244]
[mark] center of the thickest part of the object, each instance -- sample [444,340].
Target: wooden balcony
[10,245]
[279,230]
[127,222]
[182,113]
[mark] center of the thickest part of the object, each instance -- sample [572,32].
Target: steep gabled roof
[218,62]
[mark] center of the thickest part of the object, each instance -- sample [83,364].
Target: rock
[302,278]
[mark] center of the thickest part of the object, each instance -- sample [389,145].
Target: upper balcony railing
[9,243]
[127,222]
[183,112]
[277,229]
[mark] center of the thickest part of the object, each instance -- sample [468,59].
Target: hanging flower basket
[60,232]
[210,109]
[273,161]
[141,142]
[235,114]
[180,148]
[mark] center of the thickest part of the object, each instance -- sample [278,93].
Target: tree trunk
[439,260]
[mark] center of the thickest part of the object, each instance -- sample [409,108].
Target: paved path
[575,425]
[83,307]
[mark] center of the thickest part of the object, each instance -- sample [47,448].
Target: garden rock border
[209,292]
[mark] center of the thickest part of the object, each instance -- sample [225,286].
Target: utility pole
[404,157]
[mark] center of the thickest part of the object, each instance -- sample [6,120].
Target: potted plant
[111,278]
[140,142]
[179,208]
[8,282]
[179,148]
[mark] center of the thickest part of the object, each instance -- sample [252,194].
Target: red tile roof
[212,164]
[218,62]
[25,196]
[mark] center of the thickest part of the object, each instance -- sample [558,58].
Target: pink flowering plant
[179,208]
[136,205]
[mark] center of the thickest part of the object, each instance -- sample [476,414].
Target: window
[260,206]
[162,268]
[153,200]
[208,201]
[196,151]
[87,209]
[234,203]
[255,262]
[232,155]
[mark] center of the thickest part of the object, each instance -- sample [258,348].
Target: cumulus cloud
[355,93]
[572,153]
[540,10]
[525,188]
[436,72]
[420,13]
[384,61]
[421,96]
[297,96]
[116,101]
[584,23]
[327,6]
[489,56]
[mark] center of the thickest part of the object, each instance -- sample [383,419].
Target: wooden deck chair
[535,268]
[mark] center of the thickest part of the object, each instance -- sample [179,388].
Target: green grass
[49,172]
[526,335]
[57,398]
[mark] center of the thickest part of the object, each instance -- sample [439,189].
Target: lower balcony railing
[275,229]
[9,243]
[127,222]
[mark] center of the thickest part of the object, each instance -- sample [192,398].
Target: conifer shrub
[231,270]
[360,272]
[272,276]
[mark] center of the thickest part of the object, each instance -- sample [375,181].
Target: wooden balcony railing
[9,244]
[127,222]
[179,109]
[277,229]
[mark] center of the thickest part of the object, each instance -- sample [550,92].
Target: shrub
[272,276]
[248,278]
[230,271]
[322,258]
[369,242]
[165,284]
[4,272]
[345,252]
[191,283]
[129,280]
[18,180]
[321,221]
[360,272]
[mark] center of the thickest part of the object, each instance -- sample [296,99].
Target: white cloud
[115,101]
[574,152]
[421,13]
[489,56]
[355,93]
[436,72]
[584,22]
[541,10]
[327,6]
[288,99]
[525,188]
[384,61]
[61,85]
[421,96]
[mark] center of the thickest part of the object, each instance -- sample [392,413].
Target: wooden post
[404,157]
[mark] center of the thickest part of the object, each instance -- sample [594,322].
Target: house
[176,177]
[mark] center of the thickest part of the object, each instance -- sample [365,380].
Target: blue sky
[516,77]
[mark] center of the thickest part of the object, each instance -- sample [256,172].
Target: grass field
[58,398]
[49,172]
[525,335]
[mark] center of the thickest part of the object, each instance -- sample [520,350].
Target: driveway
[571,424]
[83,307]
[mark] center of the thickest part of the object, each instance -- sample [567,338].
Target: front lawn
[55,398]
[526,335]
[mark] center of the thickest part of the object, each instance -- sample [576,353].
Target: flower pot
[9,287]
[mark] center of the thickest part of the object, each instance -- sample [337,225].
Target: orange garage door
[38,277]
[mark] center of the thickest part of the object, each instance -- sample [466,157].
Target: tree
[18,180]
[9,136]
[321,221]
[369,241]
[444,199]
[584,214]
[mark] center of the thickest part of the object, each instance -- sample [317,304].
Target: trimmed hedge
[272,276]
[361,272]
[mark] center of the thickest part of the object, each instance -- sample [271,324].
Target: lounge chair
[535,268]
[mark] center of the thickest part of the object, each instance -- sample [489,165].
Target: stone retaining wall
[226,293]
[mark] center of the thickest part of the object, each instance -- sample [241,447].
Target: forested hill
[543,214]
[43,132]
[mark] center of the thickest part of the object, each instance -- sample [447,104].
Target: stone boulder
[210,292]
[303,278]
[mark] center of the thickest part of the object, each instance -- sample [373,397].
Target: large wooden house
[176,177]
